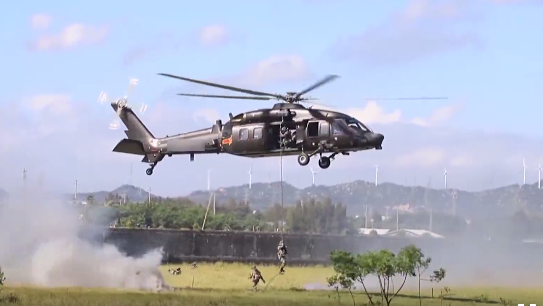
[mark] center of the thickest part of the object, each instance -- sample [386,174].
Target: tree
[349,269]
[415,255]
[383,264]
[2,278]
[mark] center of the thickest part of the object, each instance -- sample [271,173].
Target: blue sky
[482,54]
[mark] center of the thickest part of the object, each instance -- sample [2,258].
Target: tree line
[318,216]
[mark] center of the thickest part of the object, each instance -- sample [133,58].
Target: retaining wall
[181,245]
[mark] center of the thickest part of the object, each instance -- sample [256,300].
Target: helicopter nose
[376,140]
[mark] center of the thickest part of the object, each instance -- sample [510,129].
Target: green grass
[232,276]
[228,284]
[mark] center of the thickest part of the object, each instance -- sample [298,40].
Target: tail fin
[136,129]
[139,137]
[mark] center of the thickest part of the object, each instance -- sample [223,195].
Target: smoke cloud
[41,245]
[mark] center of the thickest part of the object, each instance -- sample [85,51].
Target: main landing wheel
[149,171]
[324,162]
[303,159]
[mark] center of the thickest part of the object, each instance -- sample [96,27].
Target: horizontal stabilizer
[129,146]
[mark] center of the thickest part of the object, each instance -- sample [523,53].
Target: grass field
[228,284]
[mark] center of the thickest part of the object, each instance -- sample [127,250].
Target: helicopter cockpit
[351,123]
[357,125]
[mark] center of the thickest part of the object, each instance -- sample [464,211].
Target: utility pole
[431,220]
[397,219]
[213,203]
[366,218]
[149,195]
[75,192]
[24,178]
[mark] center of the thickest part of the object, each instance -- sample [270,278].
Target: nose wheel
[324,162]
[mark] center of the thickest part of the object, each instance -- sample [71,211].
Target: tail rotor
[121,103]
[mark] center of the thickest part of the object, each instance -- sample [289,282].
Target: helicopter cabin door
[249,139]
[317,131]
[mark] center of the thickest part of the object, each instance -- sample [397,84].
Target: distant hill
[132,193]
[356,195]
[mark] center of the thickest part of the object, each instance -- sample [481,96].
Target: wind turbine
[376,175]
[445,178]
[523,172]
[313,172]
[251,174]
[539,177]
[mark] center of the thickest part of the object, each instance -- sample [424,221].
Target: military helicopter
[287,128]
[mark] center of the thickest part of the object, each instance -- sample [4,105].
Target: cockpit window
[357,125]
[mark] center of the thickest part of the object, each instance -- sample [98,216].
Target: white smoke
[39,245]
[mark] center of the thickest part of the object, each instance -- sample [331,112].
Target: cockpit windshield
[357,125]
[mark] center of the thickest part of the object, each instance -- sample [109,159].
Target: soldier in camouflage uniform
[256,276]
[281,254]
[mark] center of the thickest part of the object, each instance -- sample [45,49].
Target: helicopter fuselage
[281,130]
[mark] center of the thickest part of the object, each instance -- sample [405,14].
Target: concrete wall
[180,246]
[245,246]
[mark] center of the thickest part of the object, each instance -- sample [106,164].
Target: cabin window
[324,129]
[257,133]
[336,130]
[243,134]
[313,129]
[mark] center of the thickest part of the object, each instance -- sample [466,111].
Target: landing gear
[303,159]
[324,162]
[149,171]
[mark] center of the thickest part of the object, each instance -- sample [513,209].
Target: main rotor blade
[315,103]
[327,79]
[419,98]
[225,97]
[247,91]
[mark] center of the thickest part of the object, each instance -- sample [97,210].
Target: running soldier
[256,276]
[281,254]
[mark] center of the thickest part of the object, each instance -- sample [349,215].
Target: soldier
[281,254]
[256,276]
[176,271]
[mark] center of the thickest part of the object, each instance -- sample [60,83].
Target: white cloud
[275,69]
[373,113]
[214,35]
[421,158]
[439,116]
[71,36]
[423,29]
[40,21]
[55,104]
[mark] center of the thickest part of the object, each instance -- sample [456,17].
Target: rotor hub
[121,103]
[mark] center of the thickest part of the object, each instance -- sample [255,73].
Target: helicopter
[287,128]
